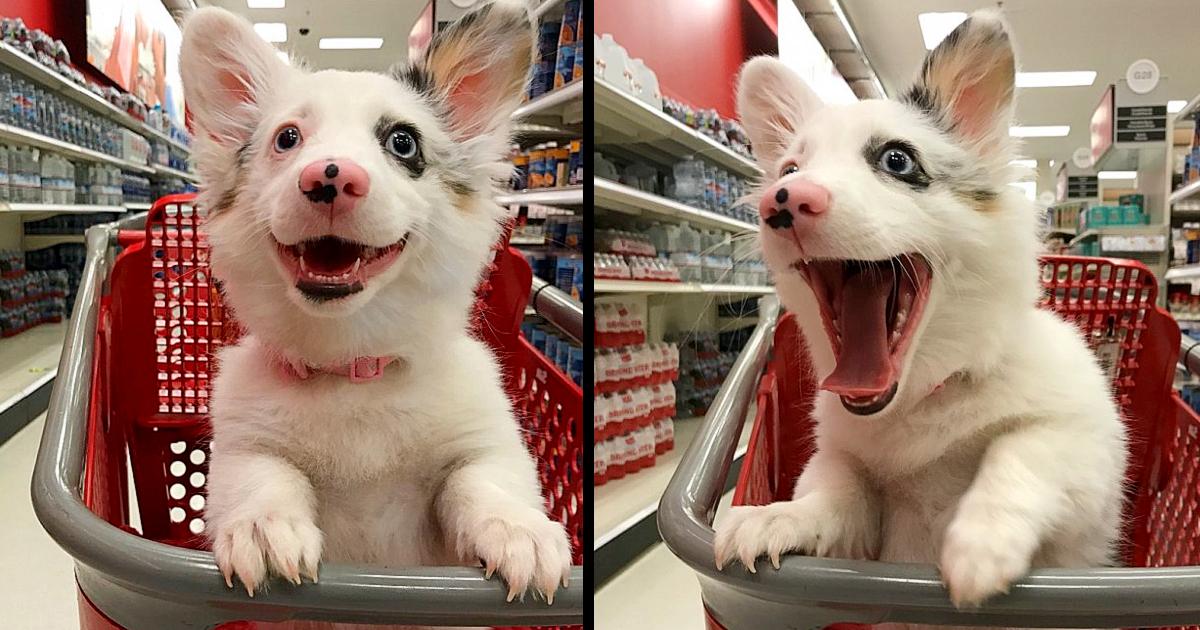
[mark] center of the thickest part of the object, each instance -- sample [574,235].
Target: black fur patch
[416,77]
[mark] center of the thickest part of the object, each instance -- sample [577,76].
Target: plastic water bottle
[4,190]
[689,182]
[689,238]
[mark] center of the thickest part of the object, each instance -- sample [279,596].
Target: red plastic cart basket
[132,396]
[1113,303]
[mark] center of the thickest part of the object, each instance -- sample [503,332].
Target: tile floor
[37,578]
[656,592]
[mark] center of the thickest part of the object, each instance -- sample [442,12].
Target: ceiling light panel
[350,43]
[274,32]
[1055,79]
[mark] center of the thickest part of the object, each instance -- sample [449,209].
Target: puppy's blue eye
[287,139]
[897,162]
[401,144]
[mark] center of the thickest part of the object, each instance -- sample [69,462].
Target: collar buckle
[366,369]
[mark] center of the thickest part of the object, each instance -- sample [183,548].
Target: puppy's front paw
[287,547]
[981,558]
[804,526]
[524,546]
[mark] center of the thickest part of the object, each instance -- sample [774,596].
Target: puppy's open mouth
[328,268]
[871,311]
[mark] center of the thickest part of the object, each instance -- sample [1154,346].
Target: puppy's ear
[966,83]
[772,101]
[479,67]
[227,70]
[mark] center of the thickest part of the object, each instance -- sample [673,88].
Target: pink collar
[360,370]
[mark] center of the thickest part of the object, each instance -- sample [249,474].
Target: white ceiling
[390,19]
[1101,35]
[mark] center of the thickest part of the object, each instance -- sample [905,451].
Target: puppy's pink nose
[336,183]
[793,200]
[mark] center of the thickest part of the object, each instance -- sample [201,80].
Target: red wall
[694,46]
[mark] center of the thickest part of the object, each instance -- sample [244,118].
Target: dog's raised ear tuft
[967,82]
[227,69]
[478,67]
[772,102]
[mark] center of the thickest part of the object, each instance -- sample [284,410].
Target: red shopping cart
[132,397]
[1113,303]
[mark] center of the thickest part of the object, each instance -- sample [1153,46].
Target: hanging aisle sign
[1142,123]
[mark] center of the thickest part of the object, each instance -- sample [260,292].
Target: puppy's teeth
[357,264]
[303,267]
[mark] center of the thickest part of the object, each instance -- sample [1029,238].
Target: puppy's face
[891,222]
[337,194]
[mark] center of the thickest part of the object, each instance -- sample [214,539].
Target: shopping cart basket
[1113,302]
[132,391]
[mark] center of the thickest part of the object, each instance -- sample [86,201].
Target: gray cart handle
[145,585]
[558,308]
[811,592]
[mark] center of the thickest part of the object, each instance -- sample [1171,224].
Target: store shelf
[1126,230]
[527,240]
[1057,232]
[42,241]
[166,170]
[621,504]
[563,106]
[545,7]
[27,360]
[138,205]
[1186,192]
[57,208]
[613,196]
[16,134]
[1184,272]
[1189,111]
[568,196]
[12,58]
[1186,318]
[640,286]
[623,119]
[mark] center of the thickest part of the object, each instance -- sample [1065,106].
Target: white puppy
[350,217]
[957,423]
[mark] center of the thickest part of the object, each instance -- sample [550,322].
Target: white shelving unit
[166,170]
[566,196]
[652,287]
[614,196]
[561,107]
[1128,230]
[1184,272]
[48,79]
[24,136]
[42,241]
[1189,192]
[58,208]
[621,118]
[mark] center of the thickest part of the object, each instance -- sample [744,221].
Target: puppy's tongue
[864,363]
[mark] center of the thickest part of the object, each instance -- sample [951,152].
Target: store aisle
[655,591]
[37,578]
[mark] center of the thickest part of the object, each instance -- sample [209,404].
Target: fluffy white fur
[1018,462]
[425,466]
